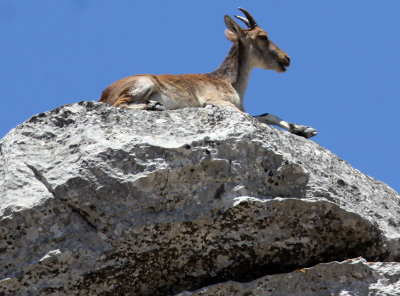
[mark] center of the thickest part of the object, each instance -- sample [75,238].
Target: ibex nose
[287,59]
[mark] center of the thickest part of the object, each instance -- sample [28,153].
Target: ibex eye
[263,37]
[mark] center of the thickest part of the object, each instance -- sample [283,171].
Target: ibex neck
[236,69]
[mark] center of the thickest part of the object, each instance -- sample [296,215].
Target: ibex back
[223,87]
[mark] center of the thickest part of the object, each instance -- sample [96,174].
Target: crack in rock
[350,277]
[81,213]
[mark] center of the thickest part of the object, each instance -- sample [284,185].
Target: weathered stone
[96,199]
[348,278]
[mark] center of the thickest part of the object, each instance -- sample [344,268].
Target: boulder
[104,201]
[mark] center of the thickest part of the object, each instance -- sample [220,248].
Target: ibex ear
[230,35]
[233,28]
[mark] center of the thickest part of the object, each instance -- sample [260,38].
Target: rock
[100,200]
[351,277]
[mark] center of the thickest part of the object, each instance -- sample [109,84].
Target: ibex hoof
[304,131]
[155,106]
[208,106]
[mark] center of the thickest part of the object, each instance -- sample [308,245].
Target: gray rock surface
[100,200]
[348,278]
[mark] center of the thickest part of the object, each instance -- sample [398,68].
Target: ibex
[224,87]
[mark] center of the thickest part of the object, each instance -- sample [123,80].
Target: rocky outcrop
[351,277]
[106,201]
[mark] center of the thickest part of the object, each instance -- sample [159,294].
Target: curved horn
[250,18]
[243,19]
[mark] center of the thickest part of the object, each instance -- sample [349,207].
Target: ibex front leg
[297,129]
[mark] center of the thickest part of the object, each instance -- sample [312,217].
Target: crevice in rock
[357,269]
[220,191]
[82,214]
[258,272]
[74,209]
[248,278]
[41,178]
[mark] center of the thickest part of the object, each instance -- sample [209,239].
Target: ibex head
[262,51]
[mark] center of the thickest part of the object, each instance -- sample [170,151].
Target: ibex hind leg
[148,105]
[137,97]
[155,106]
[297,129]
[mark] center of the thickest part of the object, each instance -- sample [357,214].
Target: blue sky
[344,78]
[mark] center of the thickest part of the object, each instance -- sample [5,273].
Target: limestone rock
[100,200]
[348,278]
